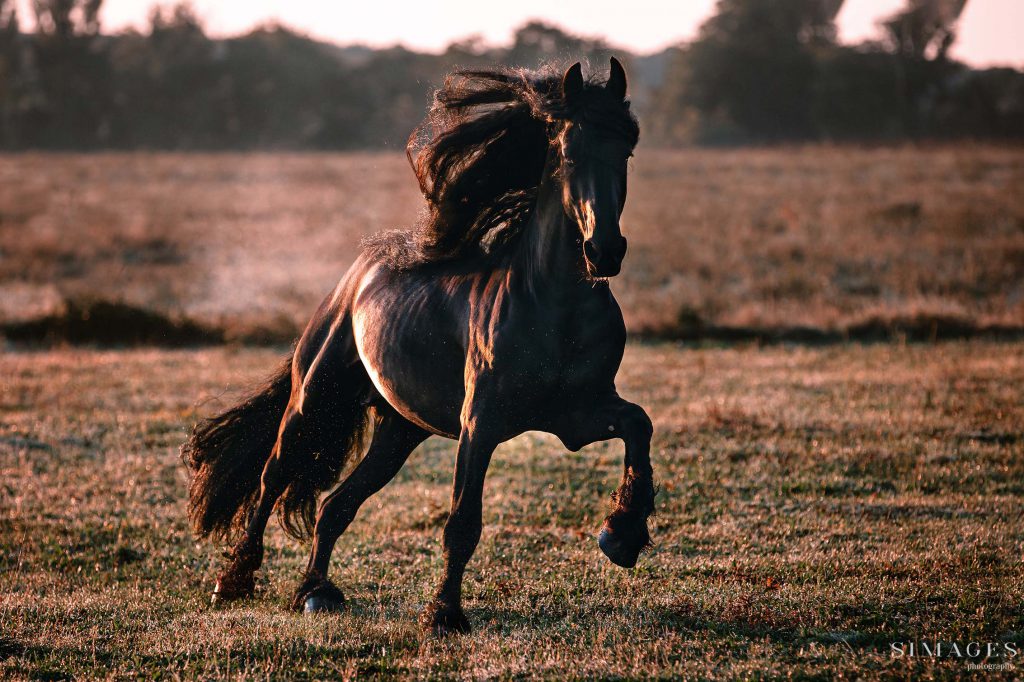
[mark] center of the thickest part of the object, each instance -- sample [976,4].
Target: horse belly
[413,360]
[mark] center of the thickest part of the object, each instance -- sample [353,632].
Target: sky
[986,35]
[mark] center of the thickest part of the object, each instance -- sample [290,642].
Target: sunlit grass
[816,504]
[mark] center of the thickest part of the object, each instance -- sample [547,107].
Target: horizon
[985,30]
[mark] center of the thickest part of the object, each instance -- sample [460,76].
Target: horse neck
[551,258]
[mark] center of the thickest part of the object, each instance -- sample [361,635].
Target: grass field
[817,504]
[837,240]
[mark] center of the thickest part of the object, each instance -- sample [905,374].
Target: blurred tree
[9,68]
[537,42]
[65,19]
[925,29]
[750,72]
[269,88]
[987,103]
[919,37]
[167,83]
[859,95]
[8,20]
[71,98]
[758,71]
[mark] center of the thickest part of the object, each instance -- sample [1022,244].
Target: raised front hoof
[230,589]
[318,595]
[441,621]
[618,552]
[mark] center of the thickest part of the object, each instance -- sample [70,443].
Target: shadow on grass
[732,629]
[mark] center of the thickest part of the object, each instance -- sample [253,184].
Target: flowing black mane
[479,157]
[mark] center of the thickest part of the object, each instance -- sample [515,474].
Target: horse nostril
[591,251]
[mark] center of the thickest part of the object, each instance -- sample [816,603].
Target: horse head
[593,155]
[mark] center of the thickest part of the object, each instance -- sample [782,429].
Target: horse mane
[479,158]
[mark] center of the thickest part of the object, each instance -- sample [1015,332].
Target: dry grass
[817,504]
[830,239]
[826,238]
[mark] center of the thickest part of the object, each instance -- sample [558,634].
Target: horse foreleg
[462,530]
[394,439]
[624,533]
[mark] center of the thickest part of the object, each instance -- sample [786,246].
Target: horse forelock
[479,158]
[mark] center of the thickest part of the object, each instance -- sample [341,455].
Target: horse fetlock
[635,495]
[441,619]
[238,579]
[232,586]
[317,594]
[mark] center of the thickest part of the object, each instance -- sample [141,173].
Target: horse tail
[226,455]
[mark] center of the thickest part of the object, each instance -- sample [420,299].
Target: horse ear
[572,82]
[616,80]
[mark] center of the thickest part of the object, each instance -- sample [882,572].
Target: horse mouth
[603,270]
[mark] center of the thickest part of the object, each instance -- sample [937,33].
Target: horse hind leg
[394,439]
[237,579]
[322,427]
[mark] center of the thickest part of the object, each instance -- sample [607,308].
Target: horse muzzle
[604,261]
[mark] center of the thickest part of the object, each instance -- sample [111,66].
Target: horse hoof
[316,603]
[442,621]
[615,551]
[318,595]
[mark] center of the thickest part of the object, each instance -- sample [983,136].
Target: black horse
[493,317]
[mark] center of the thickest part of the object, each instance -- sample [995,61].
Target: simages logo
[977,655]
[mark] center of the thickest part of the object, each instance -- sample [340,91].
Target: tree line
[757,72]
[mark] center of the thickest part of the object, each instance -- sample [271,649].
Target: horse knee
[637,424]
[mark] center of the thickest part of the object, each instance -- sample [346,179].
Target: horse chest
[579,350]
[595,353]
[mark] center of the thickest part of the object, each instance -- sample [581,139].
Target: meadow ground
[817,505]
[832,239]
